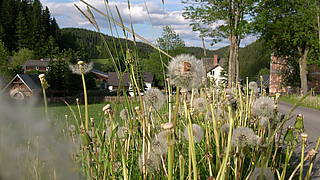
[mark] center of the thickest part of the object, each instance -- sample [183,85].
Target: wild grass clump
[195,132]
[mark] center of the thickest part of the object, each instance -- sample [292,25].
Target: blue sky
[148,18]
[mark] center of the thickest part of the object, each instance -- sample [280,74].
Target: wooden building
[22,87]
[41,65]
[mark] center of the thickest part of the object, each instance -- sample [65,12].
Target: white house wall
[216,74]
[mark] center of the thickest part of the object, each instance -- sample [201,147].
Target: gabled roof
[30,80]
[148,77]
[113,79]
[39,63]
[100,73]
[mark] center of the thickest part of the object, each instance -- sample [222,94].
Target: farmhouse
[41,65]
[114,82]
[214,69]
[22,87]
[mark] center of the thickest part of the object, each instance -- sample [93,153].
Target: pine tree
[21,31]
[38,32]
[8,14]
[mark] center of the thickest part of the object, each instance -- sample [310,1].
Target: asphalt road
[312,128]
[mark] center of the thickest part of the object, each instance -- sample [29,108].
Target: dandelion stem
[45,101]
[86,114]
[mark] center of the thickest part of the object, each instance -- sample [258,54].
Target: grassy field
[59,112]
[309,102]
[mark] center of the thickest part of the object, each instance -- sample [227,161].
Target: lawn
[309,101]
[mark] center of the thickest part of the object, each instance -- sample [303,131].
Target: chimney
[215,60]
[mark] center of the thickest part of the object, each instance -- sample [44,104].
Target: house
[41,65]
[23,86]
[101,77]
[214,69]
[114,82]
[276,85]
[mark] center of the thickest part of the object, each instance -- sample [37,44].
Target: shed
[23,86]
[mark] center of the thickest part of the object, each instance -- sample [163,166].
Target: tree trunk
[232,62]
[233,69]
[303,70]
[237,61]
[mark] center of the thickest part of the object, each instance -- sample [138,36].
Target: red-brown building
[278,65]
[41,65]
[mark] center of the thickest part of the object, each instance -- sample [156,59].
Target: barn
[23,87]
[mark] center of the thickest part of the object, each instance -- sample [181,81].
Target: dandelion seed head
[263,122]
[262,173]
[263,106]
[253,86]
[160,142]
[116,166]
[200,104]
[154,98]
[108,132]
[197,133]
[122,132]
[72,128]
[186,71]
[124,114]
[152,162]
[243,136]
[225,128]
[81,68]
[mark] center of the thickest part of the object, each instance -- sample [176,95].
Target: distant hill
[92,43]
[252,58]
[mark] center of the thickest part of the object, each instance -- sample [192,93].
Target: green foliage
[3,53]
[61,79]
[21,56]
[290,28]
[253,58]
[25,24]
[170,40]
[264,71]
[226,16]
[92,43]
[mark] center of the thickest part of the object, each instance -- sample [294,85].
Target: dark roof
[209,65]
[30,80]
[100,73]
[113,79]
[148,77]
[39,63]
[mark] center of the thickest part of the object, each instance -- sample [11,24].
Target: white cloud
[151,15]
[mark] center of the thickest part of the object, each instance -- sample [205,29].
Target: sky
[147,17]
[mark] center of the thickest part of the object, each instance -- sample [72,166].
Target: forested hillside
[26,24]
[253,57]
[93,43]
